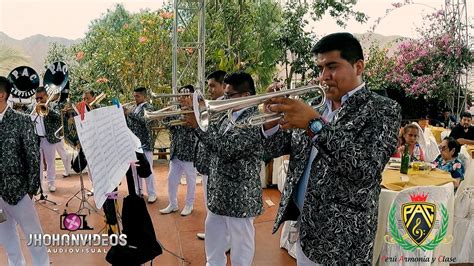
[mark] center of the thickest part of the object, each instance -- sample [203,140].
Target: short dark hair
[6,85]
[346,43]
[453,144]
[91,92]
[141,90]
[41,89]
[218,76]
[188,88]
[466,114]
[241,81]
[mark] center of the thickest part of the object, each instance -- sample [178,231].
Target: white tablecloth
[385,201]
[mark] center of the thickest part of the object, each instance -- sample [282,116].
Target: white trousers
[204,187]
[177,168]
[301,259]
[48,154]
[242,240]
[150,180]
[65,157]
[23,214]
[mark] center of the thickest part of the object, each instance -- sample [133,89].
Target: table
[392,182]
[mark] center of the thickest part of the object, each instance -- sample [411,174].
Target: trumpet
[163,113]
[128,105]
[204,110]
[97,100]
[168,95]
[42,109]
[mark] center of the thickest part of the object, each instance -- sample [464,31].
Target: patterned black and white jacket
[339,217]
[19,157]
[183,143]
[234,187]
[141,127]
[52,121]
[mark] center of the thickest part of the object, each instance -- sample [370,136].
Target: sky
[22,18]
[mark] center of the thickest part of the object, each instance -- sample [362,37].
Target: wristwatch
[314,126]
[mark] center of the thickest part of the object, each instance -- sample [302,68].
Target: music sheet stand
[84,203]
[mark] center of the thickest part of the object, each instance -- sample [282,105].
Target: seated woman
[409,135]
[448,159]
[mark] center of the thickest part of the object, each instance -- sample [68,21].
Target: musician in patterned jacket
[46,127]
[334,194]
[182,147]
[216,86]
[141,127]
[234,193]
[19,181]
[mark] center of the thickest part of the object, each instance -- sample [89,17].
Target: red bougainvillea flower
[166,15]
[79,56]
[142,39]
[102,80]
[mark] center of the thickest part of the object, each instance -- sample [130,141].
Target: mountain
[35,48]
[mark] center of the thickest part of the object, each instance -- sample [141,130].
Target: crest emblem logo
[418,218]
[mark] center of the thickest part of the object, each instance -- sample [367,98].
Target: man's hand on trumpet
[126,111]
[297,114]
[277,86]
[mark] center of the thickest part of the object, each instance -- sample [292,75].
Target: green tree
[241,36]
[122,51]
[295,43]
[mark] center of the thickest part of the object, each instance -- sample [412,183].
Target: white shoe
[169,209]
[201,236]
[151,198]
[187,210]
[51,188]
[65,174]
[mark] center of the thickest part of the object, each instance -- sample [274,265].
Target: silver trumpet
[164,112]
[206,110]
[168,95]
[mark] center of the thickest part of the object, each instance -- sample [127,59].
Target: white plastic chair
[463,233]
[445,134]
[427,143]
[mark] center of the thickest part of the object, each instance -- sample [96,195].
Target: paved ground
[176,233]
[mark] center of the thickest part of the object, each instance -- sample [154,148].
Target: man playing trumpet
[182,148]
[234,193]
[334,194]
[216,87]
[47,124]
[141,127]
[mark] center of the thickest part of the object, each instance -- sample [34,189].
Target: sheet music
[108,148]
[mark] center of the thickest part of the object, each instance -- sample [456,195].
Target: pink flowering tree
[428,66]
[423,70]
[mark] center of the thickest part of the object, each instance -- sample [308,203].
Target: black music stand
[43,199]
[84,204]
